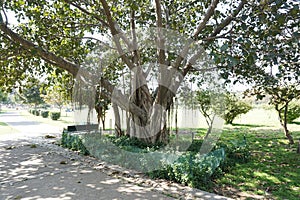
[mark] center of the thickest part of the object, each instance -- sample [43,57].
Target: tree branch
[207,16]
[68,66]
[117,34]
[160,39]
[201,26]
[44,54]
[228,19]
[87,12]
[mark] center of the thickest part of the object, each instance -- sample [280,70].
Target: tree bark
[118,130]
[283,121]
[103,123]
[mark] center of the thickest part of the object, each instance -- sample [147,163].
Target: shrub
[125,141]
[45,113]
[55,115]
[190,168]
[37,112]
[234,108]
[293,112]
[74,142]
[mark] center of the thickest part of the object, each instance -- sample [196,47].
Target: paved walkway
[25,127]
[33,167]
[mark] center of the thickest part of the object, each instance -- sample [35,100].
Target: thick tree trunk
[127,123]
[103,123]
[98,111]
[154,130]
[118,130]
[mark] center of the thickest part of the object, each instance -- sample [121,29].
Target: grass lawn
[5,128]
[273,171]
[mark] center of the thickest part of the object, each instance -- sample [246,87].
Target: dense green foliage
[73,142]
[234,107]
[45,113]
[32,95]
[293,112]
[55,115]
[190,168]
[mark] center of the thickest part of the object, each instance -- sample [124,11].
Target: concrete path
[33,167]
[24,128]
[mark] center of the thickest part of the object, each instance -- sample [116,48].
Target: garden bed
[188,167]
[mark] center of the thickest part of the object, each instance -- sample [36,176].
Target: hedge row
[45,114]
[190,168]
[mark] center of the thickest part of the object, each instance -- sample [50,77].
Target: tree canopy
[244,39]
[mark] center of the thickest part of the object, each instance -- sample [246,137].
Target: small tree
[56,97]
[32,95]
[209,106]
[101,106]
[281,97]
[234,108]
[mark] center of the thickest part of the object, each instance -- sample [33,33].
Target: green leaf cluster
[293,112]
[234,107]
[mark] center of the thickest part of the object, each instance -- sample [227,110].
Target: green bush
[196,171]
[55,115]
[45,113]
[37,112]
[234,108]
[293,112]
[126,141]
[74,142]
[190,168]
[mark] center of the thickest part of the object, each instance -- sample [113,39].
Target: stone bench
[86,127]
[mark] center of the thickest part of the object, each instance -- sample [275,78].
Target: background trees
[3,97]
[234,108]
[228,106]
[32,95]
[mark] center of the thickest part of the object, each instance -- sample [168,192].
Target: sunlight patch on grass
[3,124]
[6,129]
[263,175]
[273,170]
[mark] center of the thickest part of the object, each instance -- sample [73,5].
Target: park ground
[272,172]
[32,166]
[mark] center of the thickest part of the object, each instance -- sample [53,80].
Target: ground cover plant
[258,162]
[189,168]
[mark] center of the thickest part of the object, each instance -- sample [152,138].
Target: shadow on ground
[30,171]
